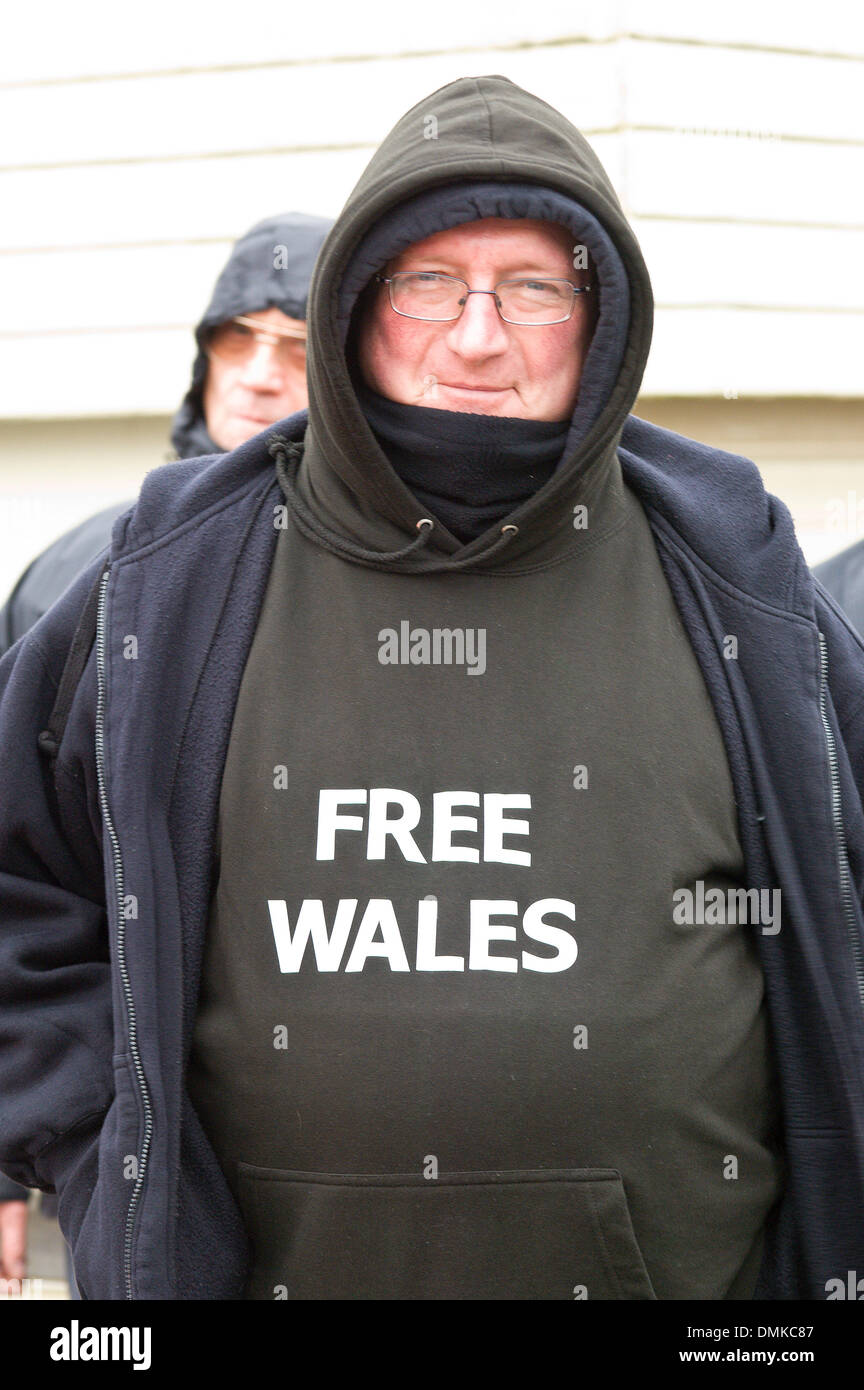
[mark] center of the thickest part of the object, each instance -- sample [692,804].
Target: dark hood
[497,151]
[254,279]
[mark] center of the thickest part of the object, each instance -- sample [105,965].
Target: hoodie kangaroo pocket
[535,1234]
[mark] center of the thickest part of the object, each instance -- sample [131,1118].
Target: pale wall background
[135,145]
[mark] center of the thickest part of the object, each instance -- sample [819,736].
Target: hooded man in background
[246,376]
[427,765]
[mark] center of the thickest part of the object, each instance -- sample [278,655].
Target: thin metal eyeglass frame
[457,279]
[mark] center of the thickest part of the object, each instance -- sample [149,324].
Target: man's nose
[479,331]
[262,370]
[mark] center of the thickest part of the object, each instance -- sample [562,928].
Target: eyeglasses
[425,294]
[237,339]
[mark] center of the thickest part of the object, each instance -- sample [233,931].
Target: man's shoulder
[716,502]
[679,456]
[187,492]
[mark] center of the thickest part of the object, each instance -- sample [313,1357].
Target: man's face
[478,363]
[257,381]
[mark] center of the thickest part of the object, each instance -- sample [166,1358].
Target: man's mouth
[463,386]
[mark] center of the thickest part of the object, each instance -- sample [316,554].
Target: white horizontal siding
[54,40]
[628,84]
[131,287]
[833,26]
[144,372]
[669,85]
[703,352]
[727,178]
[744,180]
[790,268]
[735,140]
[323,106]
[208,199]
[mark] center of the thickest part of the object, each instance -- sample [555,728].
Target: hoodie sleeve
[56,1075]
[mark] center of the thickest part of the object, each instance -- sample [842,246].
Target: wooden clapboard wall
[131,154]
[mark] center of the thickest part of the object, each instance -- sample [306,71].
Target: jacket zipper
[119,883]
[846,888]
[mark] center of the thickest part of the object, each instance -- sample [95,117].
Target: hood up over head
[254,278]
[496,151]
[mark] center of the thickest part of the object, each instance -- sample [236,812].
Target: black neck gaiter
[468,470]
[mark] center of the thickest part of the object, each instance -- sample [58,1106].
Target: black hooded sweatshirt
[253,279]
[453,1038]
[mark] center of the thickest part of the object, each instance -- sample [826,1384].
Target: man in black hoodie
[258,302]
[508,913]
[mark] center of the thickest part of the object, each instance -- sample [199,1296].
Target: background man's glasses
[238,339]
[422,294]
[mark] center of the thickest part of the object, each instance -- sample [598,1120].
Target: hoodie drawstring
[286,453]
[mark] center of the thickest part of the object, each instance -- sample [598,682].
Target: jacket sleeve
[845,649]
[56,1035]
[46,577]
[12,1191]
